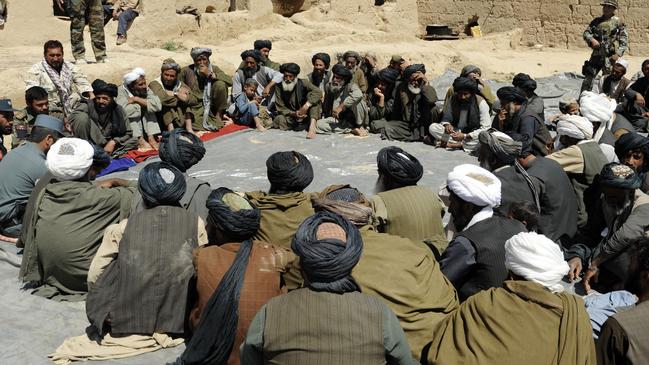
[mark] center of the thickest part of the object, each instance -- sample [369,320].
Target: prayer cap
[135,74]
[262,43]
[616,175]
[100,158]
[329,247]
[400,166]
[397,59]
[170,64]
[509,93]
[289,171]
[291,68]
[417,67]
[524,81]
[536,258]
[388,75]
[622,62]
[161,184]
[251,53]
[475,185]
[354,54]
[49,122]
[181,149]
[233,214]
[501,145]
[632,141]
[465,84]
[574,126]
[469,69]
[200,51]
[69,158]
[343,72]
[101,87]
[596,107]
[325,58]
[6,106]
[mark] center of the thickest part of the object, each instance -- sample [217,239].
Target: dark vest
[542,138]
[473,115]
[514,189]
[587,192]
[320,328]
[145,289]
[295,99]
[635,323]
[488,238]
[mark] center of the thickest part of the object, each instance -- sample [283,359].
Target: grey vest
[635,323]
[584,184]
[318,328]
[145,289]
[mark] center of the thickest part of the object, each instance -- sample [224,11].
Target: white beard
[334,88]
[288,86]
[414,89]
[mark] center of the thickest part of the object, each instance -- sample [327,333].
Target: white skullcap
[596,107]
[575,126]
[475,185]
[69,158]
[623,63]
[536,258]
[133,75]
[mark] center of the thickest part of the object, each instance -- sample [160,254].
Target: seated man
[183,150]
[37,103]
[414,107]
[344,109]
[401,207]
[6,123]
[266,77]
[140,105]
[210,86]
[487,328]
[248,110]
[320,75]
[352,61]
[382,98]
[475,73]
[20,170]
[297,101]
[535,103]
[474,260]
[264,47]
[635,107]
[103,122]
[465,115]
[331,320]
[139,279]
[175,97]
[68,222]
[64,82]
[235,277]
[124,12]
[632,149]
[614,85]
[370,69]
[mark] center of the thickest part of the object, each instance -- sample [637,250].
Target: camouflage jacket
[607,32]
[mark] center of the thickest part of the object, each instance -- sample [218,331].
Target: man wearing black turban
[330,319]
[265,76]
[264,46]
[414,108]
[183,150]
[401,207]
[297,101]
[320,75]
[465,115]
[285,205]
[144,263]
[235,276]
[515,117]
[632,149]
[383,97]
[344,107]
[535,103]
[103,122]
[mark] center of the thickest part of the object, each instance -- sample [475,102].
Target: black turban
[465,84]
[288,172]
[161,184]
[104,88]
[524,81]
[632,141]
[322,57]
[328,262]
[291,68]
[233,214]
[262,43]
[418,67]
[402,167]
[251,53]
[388,75]
[616,175]
[181,149]
[509,93]
[343,72]
[100,159]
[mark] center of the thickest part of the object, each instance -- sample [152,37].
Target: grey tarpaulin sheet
[33,327]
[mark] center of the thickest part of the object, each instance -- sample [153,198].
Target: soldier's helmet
[612,3]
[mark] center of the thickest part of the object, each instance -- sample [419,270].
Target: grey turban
[469,69]
[503,146]
[198,51]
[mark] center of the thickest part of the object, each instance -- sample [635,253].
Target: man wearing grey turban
[331,319]
[352,61]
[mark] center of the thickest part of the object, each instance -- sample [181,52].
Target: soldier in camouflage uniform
[601,35]
[36,99]
[79,11]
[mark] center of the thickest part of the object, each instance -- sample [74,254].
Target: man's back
[20,170]
[624,337]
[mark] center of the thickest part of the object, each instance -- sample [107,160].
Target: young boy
[248,110]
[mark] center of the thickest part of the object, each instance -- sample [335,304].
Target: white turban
[596,107]
[575,126]
[133,75]
[69,158]
[536,258]
[475,185]
[623,63]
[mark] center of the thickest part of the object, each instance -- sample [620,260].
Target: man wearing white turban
[140,105]
[599,110]
[614,85]
[474,260]
[67,221]
[530,320]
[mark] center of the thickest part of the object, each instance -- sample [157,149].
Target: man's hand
[266,92]
[448,129]
[639,100]
[182,94]
[258,99]
[591,274]
[379,93]
[302,111]
[575,268]
[336,112]
[594,43]
[204,70]
[458,136]
[110,146]
[111,183]
[116,14]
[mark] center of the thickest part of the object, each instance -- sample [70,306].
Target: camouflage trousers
[93,12]
[592,67]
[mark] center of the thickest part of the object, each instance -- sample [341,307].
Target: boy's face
[250,91]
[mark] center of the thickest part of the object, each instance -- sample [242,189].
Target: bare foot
[361,132]
[8,239]
[154,144]
[143,145]
[261,129]
[310,135]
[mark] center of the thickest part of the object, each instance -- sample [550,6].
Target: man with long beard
[297,101]
[266,77]
[320,75]
[615,84]
[175,97]
[352,60]
[140,105]
[383,97]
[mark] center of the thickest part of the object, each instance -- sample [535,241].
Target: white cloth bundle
[475,185]
[575,126]
[69,158]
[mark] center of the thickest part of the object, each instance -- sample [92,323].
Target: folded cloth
[116,165]
[601,306]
